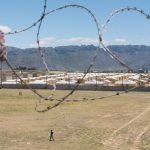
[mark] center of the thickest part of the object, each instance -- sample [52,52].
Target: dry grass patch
[77,125]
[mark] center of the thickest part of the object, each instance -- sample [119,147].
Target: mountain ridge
[78,58]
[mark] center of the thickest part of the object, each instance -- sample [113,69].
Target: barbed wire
[38,41]
[58,9]
[32,25]
[9,65]
[113,14]
[108,51]
[121,10]
[114,57]
[93,59]
[100,43]
[42,55]
[111,54]
[105,97]
[22,81]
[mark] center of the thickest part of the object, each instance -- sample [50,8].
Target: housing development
[53,80]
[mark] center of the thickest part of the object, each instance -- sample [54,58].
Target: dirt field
[116,123]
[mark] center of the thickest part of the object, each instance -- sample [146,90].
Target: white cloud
[120,41]
[51,41]
[5,29]
[81,40]
[47,41]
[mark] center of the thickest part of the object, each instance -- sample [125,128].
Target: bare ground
[111,123]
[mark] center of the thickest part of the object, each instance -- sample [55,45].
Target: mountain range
[78,58]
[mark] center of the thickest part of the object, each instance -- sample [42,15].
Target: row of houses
[103,79]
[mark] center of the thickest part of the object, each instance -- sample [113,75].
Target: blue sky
[73,26]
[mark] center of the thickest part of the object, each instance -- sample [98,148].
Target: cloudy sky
[74,26]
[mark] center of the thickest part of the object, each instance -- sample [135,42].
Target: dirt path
[137,141]
[128,135]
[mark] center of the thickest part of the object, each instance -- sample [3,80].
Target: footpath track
[128,136]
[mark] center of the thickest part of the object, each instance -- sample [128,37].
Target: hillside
[78,58]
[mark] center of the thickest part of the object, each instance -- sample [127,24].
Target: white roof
[94,82]
[125,82]
[38,82]
[136,77]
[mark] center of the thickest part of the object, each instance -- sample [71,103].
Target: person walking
[51,135]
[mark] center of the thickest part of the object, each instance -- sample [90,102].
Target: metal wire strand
[91,64]
[32,25]
[109,18]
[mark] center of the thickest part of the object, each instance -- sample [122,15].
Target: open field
[121,122]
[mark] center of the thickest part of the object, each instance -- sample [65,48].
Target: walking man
[51,135]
